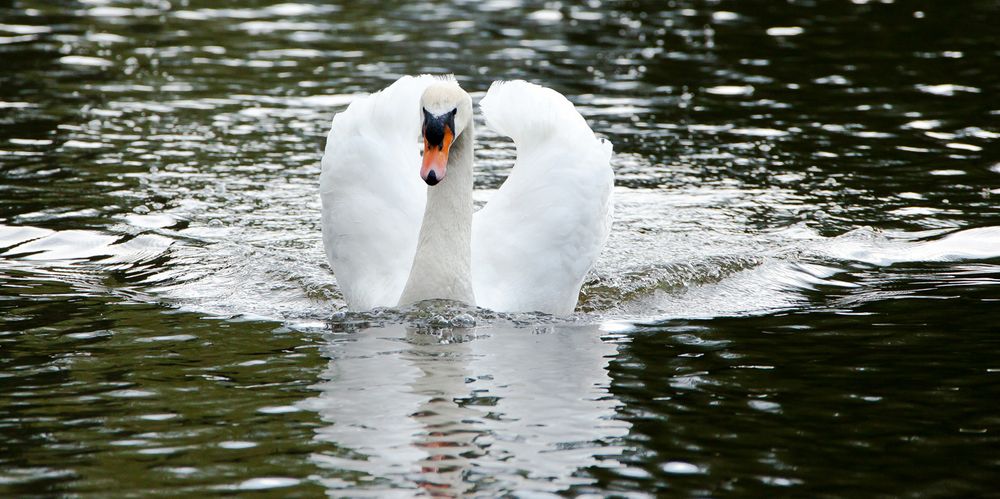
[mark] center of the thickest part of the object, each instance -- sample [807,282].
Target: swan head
[446,111]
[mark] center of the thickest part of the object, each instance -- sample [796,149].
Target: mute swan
[398,229]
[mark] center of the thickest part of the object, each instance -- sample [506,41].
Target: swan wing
[372,195]
[536,239]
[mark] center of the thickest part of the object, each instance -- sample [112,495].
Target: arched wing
[372,194]
[535,241]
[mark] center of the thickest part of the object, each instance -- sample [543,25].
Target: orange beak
[436,158]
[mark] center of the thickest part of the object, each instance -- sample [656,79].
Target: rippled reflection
[448,412]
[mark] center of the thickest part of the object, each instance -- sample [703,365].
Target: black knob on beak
[431,178]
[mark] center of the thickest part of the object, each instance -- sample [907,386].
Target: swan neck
[442,265]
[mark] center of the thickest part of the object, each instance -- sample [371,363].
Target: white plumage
[531,245]
[372,199]
[535,241]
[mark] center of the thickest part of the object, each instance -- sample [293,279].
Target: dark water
[800,295]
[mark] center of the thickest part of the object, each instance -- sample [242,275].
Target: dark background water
[799,295]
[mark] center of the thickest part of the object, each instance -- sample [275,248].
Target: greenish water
[800,295]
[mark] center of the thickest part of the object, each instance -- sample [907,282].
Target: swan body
[396,232]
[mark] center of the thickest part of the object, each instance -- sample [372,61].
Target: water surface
[799,295]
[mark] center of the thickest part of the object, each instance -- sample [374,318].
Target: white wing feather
[373,197]
[535,241]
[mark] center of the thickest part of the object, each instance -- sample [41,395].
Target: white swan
[398,229]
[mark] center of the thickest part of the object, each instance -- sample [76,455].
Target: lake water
[799,297]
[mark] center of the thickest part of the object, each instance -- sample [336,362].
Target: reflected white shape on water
[680,468]
[785,31]
[266,483]
[82,60]
[495,408]
[969,244]
[946,89]
[67,244]
[731,90]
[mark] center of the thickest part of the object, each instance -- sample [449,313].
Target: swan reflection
[466,411]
